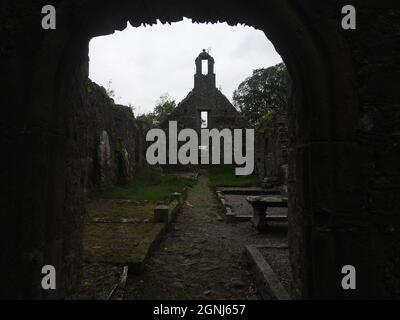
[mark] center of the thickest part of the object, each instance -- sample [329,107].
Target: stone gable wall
[222,114]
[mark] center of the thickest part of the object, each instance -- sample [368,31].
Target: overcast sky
[144,63]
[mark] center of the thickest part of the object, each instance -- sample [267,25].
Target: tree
[110,91]
[132,107]
[148,117]
[164,107]
[265,92]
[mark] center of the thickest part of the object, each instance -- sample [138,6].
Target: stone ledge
[167,213]
[246,190]
[267,281]
[229,214]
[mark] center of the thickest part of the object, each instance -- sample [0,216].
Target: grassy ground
[119,243]
[112,209]
[149,184]
[120,232]
[225,176]
[115,242]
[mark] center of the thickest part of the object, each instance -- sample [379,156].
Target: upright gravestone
[125,164]
[105,161]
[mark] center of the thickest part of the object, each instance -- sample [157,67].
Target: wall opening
[204,119]
[212,109]
[204,67]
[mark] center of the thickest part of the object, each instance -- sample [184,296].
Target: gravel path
[203,258]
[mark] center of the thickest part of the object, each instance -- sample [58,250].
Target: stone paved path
[203,258]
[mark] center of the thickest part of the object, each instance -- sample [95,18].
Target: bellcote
[204,79]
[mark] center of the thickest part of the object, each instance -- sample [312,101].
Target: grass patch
[119,243]
[148,184]
[122,242]
[112,209]
[224,175]
[115,242]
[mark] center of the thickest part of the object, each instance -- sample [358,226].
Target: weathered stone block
[161,214]
[176,197]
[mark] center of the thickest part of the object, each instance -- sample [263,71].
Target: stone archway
[330,210]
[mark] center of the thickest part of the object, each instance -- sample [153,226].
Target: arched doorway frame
[322,120]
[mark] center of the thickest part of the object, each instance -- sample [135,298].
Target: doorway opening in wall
[130,204]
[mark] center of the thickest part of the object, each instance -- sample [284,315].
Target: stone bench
[260,205]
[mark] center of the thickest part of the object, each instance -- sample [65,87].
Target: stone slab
[267,281]
[247,190]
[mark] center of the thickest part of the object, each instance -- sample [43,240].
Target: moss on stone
[266,125]
[114,209]
[119,243]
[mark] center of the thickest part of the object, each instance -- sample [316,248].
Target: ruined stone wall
[271,149]
[222,114]
[114,143]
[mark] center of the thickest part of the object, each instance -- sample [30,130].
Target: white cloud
[145,62]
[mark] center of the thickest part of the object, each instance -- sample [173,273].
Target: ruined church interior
[229,153]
